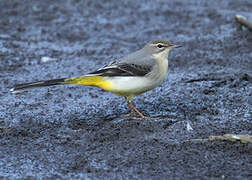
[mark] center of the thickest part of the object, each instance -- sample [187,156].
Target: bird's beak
[176,46]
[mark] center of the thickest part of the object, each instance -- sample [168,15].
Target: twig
[243,138]
[243,21]
[203,79]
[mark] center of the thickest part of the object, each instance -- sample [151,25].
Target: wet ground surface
[78,132]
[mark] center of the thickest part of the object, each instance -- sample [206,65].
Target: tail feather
[88,80]
[26,86]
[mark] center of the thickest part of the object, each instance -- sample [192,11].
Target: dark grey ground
[78,132]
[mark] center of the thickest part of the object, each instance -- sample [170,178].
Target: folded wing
[123,69]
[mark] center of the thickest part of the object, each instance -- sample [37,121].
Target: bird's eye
[160,46]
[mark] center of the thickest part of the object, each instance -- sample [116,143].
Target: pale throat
[162,55]
[162,59]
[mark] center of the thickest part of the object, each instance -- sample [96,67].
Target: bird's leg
[133,110]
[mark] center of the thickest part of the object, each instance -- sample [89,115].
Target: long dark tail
[88,80]
[23,87]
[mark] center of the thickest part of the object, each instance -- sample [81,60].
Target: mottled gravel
[73,132]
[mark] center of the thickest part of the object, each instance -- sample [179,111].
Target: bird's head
[159,48]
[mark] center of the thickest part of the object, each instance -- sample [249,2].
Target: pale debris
[188,126]
[45,59]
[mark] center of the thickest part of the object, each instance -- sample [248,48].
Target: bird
[128,76]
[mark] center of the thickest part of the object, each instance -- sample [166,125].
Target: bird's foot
[136,114]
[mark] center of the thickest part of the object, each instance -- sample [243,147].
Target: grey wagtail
[129,76]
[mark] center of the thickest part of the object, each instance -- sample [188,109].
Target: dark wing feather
[123,69]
